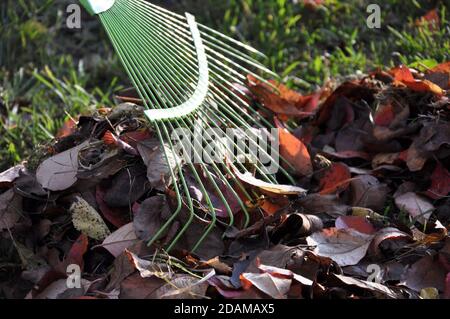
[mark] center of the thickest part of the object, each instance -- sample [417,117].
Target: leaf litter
[371,161]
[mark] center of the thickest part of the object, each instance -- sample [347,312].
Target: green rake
[192,77]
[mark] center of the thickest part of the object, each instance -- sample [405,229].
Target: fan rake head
[192,81]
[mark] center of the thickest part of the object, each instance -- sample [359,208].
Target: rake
[192,79]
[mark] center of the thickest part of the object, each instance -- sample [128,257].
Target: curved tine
[201,90]
[169,15]
[232,101]
[182,33]
[164,70]
[156,76]
[210,227]
[138,80]
[135,81]
[149,46]
[193,69]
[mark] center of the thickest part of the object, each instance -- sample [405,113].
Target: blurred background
[50,73]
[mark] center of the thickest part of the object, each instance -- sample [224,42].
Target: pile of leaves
[373,154]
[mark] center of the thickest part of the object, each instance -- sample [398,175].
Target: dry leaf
[345,246]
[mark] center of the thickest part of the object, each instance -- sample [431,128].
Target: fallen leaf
[10,209]
[121,239]
[345,246]
[274,287]
[336,179]
[286,103]
[248,178]
[440,183]
[367,191]
[10,175]
[183,287]
[87,220]
[154,157]
[294,152]
[118,216]
[416,206]
[151,216]
[368,285]
[386,234]
[357,223]
[149,268]
[425,273]
[59,172]
[285,273]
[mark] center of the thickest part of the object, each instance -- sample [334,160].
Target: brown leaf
[10,209]
[295,152]
[425,273]
[336,179]
[345,246]
[367,191]
[274,287]
[248,178]
[417,206]
[440,183]
[10,175]
[59,172]
[121,239]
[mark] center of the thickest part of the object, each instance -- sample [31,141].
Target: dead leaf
[121,239]
[154,156]
[59,172]
[357,223]
[151,216]
[294,152]
[367,191]
[87,220]
[440,183]
[345,246]
[368,285]
[184,287]
[416,206]
[10,175]
[425,273]
[149,268]
[248,178]
[274,287]
[336,179]
[10,209]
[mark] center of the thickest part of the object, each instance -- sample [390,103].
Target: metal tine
[202,165]
[136,81]
[194,69]
[183,34]
[191,76]
[163,71]
[105,20]
[172,14]
[267,123]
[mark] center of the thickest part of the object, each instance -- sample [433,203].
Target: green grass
[49,73]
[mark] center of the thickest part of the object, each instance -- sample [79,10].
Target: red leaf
[336,179]
[442,68]
[115,216]
[403,76]
[430,19]
[385,115]
[69,127]
[76,253]
[440,183]
[285,103]
[294,151]
[358,223]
